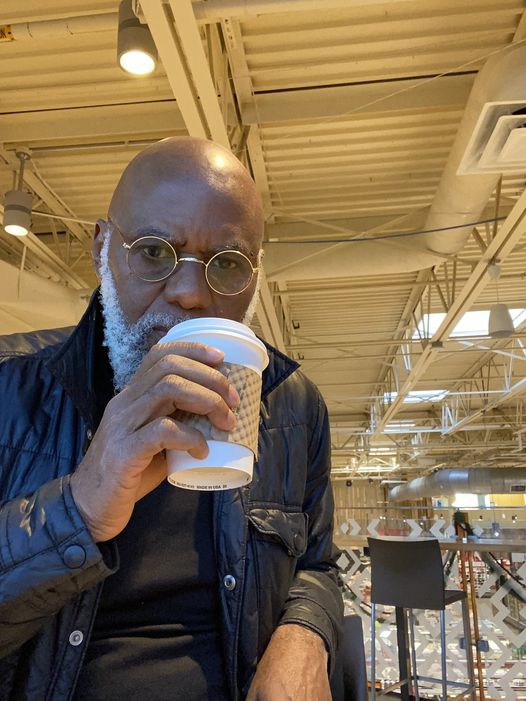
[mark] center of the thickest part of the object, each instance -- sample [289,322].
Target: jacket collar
[75,362]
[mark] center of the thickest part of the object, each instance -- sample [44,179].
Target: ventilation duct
[460,198]
[476,480]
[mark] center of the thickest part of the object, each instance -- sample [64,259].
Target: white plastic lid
[237,341]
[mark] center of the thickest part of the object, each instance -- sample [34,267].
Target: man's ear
[101,230]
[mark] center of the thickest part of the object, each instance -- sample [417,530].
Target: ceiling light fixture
[136,49]
[500,324]
[17,203]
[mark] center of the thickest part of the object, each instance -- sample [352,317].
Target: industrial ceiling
[354,117]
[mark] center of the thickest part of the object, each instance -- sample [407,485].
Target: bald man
[114,584]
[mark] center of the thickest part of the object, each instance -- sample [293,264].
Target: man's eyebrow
[230,245]
[145,230]
[235,246]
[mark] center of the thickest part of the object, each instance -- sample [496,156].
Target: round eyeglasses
[154,259]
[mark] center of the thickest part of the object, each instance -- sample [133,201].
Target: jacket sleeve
[47,556]
[315,600]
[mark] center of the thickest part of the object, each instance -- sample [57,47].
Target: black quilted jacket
[273,537]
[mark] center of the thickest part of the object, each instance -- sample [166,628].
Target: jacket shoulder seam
[40,354]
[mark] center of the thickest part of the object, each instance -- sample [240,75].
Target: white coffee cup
[230,460]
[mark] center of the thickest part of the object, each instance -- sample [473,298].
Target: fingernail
[233,397]
[231,420]
[215,353]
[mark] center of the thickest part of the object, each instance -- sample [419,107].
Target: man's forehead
[182,214]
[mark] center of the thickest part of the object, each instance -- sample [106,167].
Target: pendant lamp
[500,323]
[17,203]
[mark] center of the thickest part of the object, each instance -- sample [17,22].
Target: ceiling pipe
[59,28]
[478,480]
[460,199]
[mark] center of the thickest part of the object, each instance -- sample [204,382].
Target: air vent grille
[498,142]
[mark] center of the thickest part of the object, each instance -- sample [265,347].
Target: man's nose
[187,286]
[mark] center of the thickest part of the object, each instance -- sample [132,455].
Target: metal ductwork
[459,199]
[474,480]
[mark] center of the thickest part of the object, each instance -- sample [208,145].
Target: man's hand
[293,668]
[125,460]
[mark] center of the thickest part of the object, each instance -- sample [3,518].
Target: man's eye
[226,262]
[153,252]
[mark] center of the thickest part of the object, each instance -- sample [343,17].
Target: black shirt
[156,634]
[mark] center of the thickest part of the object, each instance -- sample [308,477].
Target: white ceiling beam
[507,395]
[192,46]
[214,10]
[65,273]
[328,290]
[499,248]
[105,122]
[267,317]
[177,72]
[181,50]
[326,227]
[245,95]
[520,32]
[362,98]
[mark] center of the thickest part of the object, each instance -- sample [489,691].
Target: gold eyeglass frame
[189,259]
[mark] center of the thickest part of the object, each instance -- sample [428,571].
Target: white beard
[127,343]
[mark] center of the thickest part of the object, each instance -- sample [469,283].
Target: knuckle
[222,381]
[169,384]
[168,362]
[164,425]
[217,401]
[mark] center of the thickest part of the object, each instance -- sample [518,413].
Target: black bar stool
[408,574]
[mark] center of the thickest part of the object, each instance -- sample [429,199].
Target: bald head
[197,196]
[195,166]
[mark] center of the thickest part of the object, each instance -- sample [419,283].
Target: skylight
[472,323]
[401,426]
[417,396]
[376,468]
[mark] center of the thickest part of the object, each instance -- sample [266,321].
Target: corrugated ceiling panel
[375,42]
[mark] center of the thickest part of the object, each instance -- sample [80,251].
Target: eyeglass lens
[152,259]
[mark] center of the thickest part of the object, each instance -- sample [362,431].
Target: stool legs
[469,649]
[413,654]
[443,653]
[373,652]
